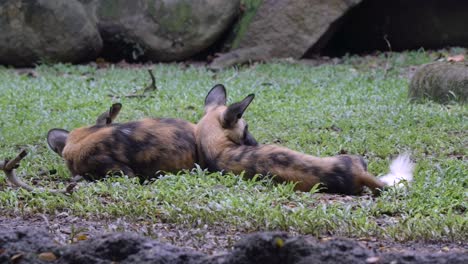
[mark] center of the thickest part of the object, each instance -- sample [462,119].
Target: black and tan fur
[141,148]
[220,135]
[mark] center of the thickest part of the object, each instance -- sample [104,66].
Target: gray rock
[441,82]
[285,28]
[127,248]
[280,248]
[46,31]
[25,246]
[160,30]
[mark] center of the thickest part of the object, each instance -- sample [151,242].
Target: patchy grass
[359,107]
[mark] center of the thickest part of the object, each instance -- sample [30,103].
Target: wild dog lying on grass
[140,148]
[220,135]
[143,148]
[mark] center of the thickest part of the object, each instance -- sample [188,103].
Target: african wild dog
[143,148]
[220,135]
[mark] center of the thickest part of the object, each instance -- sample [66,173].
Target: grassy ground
[358,107]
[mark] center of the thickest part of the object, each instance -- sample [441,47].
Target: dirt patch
[68,229]
[70,239]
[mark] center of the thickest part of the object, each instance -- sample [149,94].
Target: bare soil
[70,232]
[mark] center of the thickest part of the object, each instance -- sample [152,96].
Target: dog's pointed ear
[107,118]
[216,96]
[56,138]
[235,111]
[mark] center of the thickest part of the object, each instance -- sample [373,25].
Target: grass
[355,107]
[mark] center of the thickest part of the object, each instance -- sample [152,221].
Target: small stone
[372,260]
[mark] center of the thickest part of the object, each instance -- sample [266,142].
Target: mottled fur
[141,148]
[219,137]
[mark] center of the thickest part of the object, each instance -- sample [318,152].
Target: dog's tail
[401,169]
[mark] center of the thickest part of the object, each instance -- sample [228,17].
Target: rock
[28,245]
[241,56]
[24,245]
[127,248]
[287,28]
[440,81]
[46,31]
[160,30]
[280,248]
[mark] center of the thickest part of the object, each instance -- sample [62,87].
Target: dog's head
[222,122]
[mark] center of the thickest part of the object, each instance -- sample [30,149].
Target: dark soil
[68,239]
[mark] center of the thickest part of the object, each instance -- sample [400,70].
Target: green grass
[356,107]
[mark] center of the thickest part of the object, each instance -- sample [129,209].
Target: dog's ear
[107,118]
[235,111]
[56,138]
[216,96]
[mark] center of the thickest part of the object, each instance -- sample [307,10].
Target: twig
[385,37]
[151,87]
[9,167]
[137,95]
[387,64]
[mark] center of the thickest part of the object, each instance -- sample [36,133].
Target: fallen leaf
[456,58]
[279,242]
[16,258]
[47,256]
[82,237]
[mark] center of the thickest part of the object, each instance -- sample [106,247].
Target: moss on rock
[240,28]
[181,17]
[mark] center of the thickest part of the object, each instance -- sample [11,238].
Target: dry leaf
[279,242]
[81,237]
[47,256]
[456,58]
[16,258]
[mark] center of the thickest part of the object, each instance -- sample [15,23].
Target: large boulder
[441,82]
[46,31]
[160,30]
[285,28]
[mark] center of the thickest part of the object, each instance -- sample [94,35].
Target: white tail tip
[400,169]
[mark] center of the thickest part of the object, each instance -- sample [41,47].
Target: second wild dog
[141,148]
[220,137]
